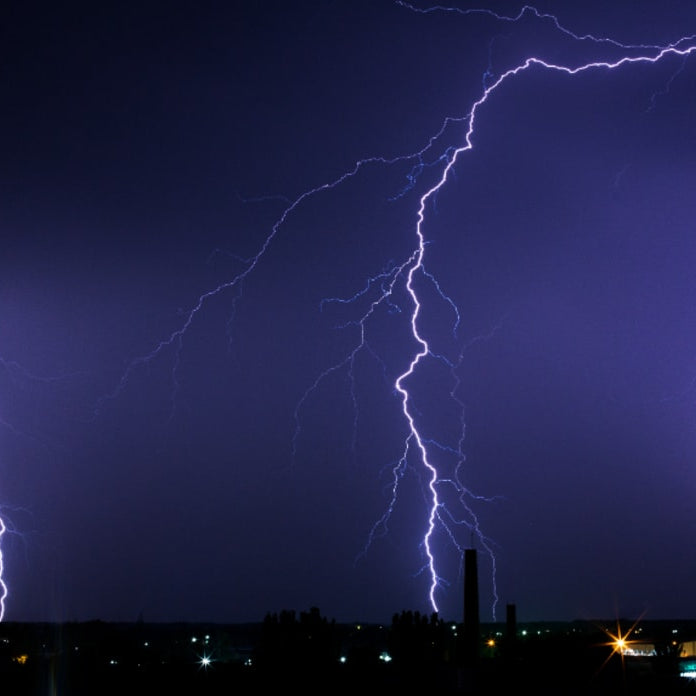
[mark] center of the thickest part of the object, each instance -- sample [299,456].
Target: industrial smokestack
[510,644]
[472,631]
[511,622]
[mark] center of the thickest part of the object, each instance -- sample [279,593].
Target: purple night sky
[196,421]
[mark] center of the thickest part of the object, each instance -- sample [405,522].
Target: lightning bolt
[16,375]
[424,351]
[397,289]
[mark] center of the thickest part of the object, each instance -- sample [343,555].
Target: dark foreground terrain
[319,656]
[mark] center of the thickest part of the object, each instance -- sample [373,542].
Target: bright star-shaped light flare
[619,641]
[205,661]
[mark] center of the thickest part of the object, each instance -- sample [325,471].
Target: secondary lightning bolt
[12,370]
[16,375]
[3,586]
[380,291]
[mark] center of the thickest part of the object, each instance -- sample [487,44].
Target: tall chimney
[511,621]
[510,643]
[471,608]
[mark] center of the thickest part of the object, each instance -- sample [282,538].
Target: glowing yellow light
[490,643]
[21,659]
[619,641]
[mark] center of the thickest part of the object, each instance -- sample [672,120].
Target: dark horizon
[624,620]
[312,652]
